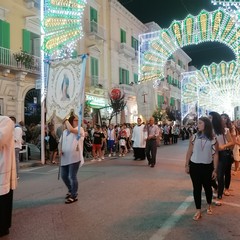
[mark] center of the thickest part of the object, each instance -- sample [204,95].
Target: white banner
[66,87]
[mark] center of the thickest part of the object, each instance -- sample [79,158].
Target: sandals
[68,195]
[197,216]
[71,200]
[218,203]
[209,211]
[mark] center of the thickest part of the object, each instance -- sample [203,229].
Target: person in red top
[98,137]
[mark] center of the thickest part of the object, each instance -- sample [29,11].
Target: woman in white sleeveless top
[201,163]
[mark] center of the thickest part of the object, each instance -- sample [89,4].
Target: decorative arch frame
[157,47]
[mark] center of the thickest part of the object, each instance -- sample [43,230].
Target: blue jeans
[69,177]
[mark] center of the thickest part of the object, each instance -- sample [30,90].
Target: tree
[117,105]
[160,115]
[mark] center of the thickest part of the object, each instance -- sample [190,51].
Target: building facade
[111,38]
[20,64]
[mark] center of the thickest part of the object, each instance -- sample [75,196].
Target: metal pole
[42,91]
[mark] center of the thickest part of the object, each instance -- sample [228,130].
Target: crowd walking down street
[119,198]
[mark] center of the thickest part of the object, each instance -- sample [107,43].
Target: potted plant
[18,57]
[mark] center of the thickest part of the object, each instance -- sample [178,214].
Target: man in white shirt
[17,141]
[139,138]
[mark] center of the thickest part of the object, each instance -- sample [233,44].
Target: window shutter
[135,77]
[127,77]
[159,100]
[26,45]
[4,34]
[120,76]
[123,36]
[93,15]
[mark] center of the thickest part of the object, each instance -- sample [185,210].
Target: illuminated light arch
[157,47]
[214,87]
[62,24]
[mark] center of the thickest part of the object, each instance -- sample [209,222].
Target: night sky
[163,12]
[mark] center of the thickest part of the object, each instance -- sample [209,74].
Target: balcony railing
[95,30]
[127,50]
[128,89]
[29,64]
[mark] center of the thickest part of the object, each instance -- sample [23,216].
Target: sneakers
[93,160]
[99,159]
[71,200]
[102,158]
[123,155]
[110,155]
[120,155]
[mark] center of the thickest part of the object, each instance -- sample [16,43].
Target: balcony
[127,50]
[94,31]
[95,86]
[128,89]
[29,64]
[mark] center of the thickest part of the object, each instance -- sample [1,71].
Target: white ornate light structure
[217,81]
[214,87]
[62,24]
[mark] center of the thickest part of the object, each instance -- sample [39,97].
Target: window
[4,34]
[123,36]
[30,43]
[93,20]
[160,100]
[135,43]
[135,78]
[123,76]
[94,71]
[172,101]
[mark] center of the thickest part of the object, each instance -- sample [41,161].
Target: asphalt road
[121,199]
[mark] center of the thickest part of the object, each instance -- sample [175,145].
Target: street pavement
[120,199]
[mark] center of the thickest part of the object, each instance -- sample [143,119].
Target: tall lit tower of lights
[62,25]
[60,31]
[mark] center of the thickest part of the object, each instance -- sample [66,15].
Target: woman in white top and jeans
[201,163]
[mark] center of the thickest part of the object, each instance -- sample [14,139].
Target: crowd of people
[214,146]
[212,151]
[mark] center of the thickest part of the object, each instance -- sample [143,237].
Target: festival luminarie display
[220,81]
[62,24]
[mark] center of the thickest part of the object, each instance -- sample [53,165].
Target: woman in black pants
[228,124]
[201,163]
[225,142]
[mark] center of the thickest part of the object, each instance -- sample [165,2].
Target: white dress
[139,136]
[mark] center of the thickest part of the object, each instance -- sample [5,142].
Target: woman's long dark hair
[217,123]
[71,119]
[228,123]
[208,129]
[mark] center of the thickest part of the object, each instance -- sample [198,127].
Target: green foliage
[117,105]
[160,115]
[24,58]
